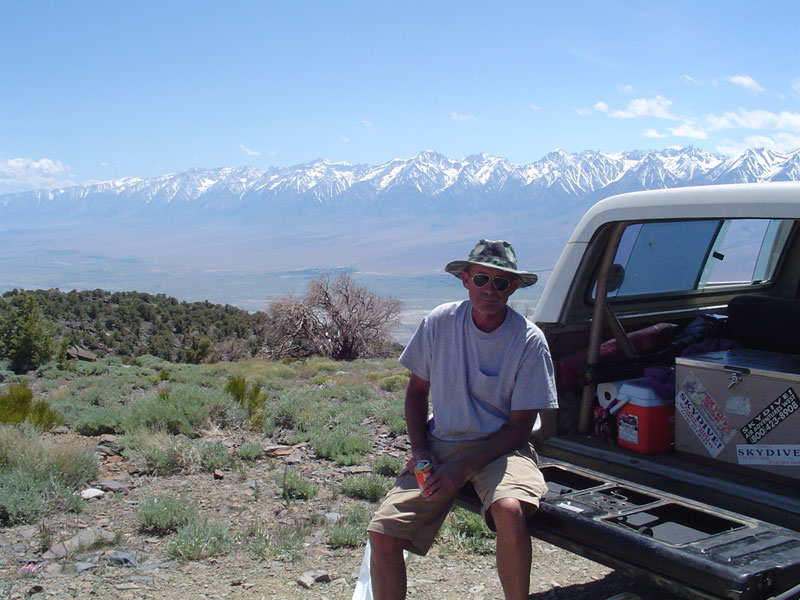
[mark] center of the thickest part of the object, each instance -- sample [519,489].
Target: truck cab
[674,282]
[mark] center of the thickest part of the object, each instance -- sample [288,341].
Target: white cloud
[747,83]
[657,107]
[459,117]
[780,142]
[690,80]
[688,129]
[796,87]
[248,151]
[345,139]
[534,107]
[20,174]
[366,123]
[652,133]
[755,119]
[625,88]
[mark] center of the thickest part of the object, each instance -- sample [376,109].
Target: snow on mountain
[400,183]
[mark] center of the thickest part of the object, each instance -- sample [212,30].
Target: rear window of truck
[682,256]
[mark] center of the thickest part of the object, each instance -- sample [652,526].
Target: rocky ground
[100,553]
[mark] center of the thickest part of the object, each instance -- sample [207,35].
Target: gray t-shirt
[478,378]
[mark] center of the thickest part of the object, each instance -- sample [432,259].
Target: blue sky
[100,90]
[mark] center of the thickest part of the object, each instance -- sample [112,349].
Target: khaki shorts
[406,514]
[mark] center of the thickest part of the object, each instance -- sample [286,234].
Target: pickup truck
[646,282]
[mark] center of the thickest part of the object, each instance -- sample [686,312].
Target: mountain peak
[429,174]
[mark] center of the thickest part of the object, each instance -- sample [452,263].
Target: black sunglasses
[481,279]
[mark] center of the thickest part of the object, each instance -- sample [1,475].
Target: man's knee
[510,513]
[383,545]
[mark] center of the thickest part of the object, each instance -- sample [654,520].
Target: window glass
[677,256]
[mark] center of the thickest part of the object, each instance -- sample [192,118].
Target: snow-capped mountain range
[240,235]
[423,182]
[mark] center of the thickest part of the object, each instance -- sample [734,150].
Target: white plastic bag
[363,589]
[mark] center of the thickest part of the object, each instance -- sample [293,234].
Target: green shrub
[183,409]
[366,487]
[322,380]
[250,399]
[294,487]
[397,426]
[164,454]
[344,447]
[17,406]
[351,530]
[393,383]
[251,451]
[236,386]
[71,465]
[37,474]
[22,496]
[214,455]
[201,539]
[99,420]
[466,531]
[356,393]
[161,515]
[286,543]
[388,466]
[317,365]
[392,414]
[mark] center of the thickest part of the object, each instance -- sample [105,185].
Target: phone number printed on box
[772,416]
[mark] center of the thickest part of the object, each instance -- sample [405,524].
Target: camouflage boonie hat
[495,254]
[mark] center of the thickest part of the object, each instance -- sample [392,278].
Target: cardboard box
[740,409]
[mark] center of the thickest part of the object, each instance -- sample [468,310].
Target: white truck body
[644,259]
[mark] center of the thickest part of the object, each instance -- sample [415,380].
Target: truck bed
[694,550]
[738,492]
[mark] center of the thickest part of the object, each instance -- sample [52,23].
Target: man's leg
[513,547]
[387,567]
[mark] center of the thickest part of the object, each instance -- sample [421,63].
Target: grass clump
[295,487]
[37,475]
[162,453]
[366,487]
[201,539]
[99,420]
[388,466]
[251,452]
[466,531]
[351,530]
[214,455]
[393,383]
[161,515]
[286,543]
[344,447]
[183,409]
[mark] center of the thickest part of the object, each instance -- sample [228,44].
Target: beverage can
[423,469]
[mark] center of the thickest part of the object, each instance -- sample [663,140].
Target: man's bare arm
[416,410]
